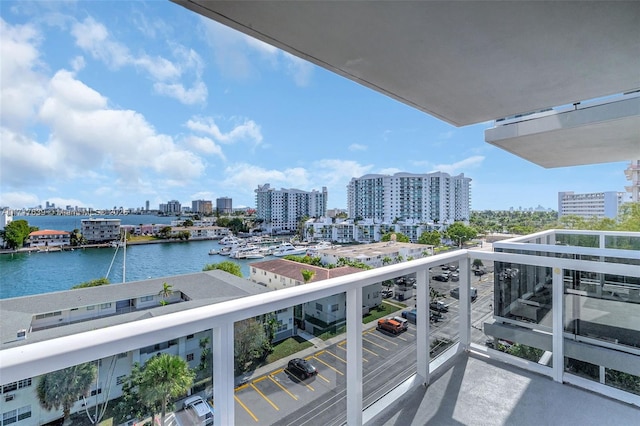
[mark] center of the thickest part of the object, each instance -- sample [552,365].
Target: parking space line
[383,337]
[239,388]
[330,366]
[375,344]
[297,380]
[333,355]
[265,397]
[324,378]
[245,408]
[364,349]
[295,398]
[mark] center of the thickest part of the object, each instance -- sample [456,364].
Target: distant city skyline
[113,106]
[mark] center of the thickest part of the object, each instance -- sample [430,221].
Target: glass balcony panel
[621,380]
[603,307]
[524,294]
[444,323]
[482,308]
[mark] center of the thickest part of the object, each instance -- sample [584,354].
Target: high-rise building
[282,210]
[172,207]
[146,205]
[432,198]
[224,205]
[595,204]
[202,206]
[633,174]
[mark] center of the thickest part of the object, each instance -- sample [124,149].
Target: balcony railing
[547,319]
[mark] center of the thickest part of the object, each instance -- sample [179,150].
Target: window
[10,387]
[121,379]
[334,307]
[318,307]
[122,355]
[9,417]
[91,308]
[105,306]
[24,383]
[146,298]
[24,412]
[189,357]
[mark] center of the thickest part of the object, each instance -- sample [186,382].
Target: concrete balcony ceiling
[471,62]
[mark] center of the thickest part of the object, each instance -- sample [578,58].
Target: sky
[107,104]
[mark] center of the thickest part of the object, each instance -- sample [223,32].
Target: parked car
[455,293]
[438,306]
[479,272]
[410,315]
[390,325]
[301,368]
[403,322]
[387,293]
[441,277]
[198,410]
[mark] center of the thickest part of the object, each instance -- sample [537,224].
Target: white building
[202,206]
[49,238]
[632,172]
[99,229]
[430,198]
[362,231]
[282,210]
[319,315]
[5,219]
[595,204]
[37,318]
[376,254]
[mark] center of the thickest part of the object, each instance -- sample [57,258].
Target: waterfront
[23,274]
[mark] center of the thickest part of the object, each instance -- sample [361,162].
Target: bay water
[23,274]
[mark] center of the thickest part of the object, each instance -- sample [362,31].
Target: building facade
[49,238]
[202,206]
[595,204]
[281,210]
[97,230]
[171,207]
[429,198]
[632,173]
[224,205]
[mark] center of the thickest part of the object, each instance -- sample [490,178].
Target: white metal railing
[37,358]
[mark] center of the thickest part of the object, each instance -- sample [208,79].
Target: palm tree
[165,377]
[63,387]
[167,290]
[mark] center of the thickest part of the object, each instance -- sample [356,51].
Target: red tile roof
[48,232]
[291,269]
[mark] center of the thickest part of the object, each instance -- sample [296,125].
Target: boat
[288,249]
[214,251]
[243,252]
[228,240]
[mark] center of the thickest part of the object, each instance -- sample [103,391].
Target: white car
[198,410]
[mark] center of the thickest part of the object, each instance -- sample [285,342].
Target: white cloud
[21,85]
[460,166]
[19,199]
[339,172]
[94,38]
[357,147]
[247,130]
[299,69]
[205,145]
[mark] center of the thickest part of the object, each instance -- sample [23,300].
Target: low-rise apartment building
[319,315]
[594,204]
[49,238]
[36,318]
[96,230]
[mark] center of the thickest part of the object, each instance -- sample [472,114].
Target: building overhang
[469,62]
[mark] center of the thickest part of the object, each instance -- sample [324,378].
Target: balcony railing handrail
[49,355]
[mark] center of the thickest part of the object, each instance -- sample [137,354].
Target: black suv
[301,368]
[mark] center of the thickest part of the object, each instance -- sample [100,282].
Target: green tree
[167,290]
[92,283]
[307,275]
[16,233]
[164,377]
[386,260]
[62,388]
[460,233]
[432,238]
[223,222]
[227,266]
[187,223]
[477,264]
[249,341]
[165,231]
[237,225]
[76,238]
[399,237]
[629,217]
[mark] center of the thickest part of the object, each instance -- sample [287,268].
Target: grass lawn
[287,347]
[385,309]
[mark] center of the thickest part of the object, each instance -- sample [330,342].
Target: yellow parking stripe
[383,337]
[375,344]
[245,408]
[333,355]
[283,388]
[265,397]
[239,388]
[365,349]
[331,367]
[323,378]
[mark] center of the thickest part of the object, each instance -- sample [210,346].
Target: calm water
[26,274]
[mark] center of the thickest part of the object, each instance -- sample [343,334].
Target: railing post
[465,302]
[354,356]
[558,324]
[223,379]
[423,355]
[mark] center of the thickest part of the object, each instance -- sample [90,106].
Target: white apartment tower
[282,210]
[632,173]
[430,198]
[595,204]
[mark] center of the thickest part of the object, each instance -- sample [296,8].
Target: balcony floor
[478,391]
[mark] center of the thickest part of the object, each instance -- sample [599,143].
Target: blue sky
[113,103]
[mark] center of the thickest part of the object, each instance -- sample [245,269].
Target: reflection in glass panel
[604,307]
[444,309]
[524,293]
[621,380]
